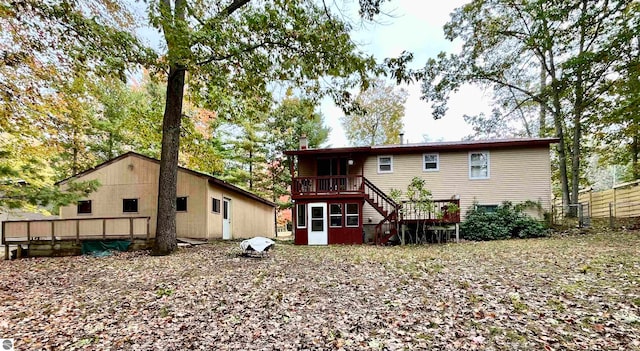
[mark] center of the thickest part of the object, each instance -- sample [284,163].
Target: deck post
[53,229]
[53,238]
[4,241]
[77,230]
[28,231]
[104,228]
[148,230]
[457,232]
[131,227]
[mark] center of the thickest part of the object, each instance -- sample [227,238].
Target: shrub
[507,221]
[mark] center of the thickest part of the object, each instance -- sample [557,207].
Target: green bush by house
[502,222]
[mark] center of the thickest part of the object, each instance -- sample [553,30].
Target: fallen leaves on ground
[570,293]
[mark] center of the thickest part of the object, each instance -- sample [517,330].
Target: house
[342,195]
[207,207]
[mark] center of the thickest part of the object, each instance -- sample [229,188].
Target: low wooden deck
[67,234]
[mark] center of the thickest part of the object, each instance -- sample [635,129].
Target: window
[353,218]
[129,205]
[215,205]
[181,204]
[225,208]
[335,215]
[84,206]
[385,164]
[317,218]
[301,216]
[430,162]
[479,165]
[487,208]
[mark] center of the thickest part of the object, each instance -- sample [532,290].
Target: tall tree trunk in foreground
[167,183]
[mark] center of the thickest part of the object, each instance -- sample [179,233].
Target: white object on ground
[258,244]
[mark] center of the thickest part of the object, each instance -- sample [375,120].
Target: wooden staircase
[388,226]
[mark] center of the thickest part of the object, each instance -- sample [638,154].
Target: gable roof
[210,178]
[432,147]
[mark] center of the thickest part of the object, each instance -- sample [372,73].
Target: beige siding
[135,177]
[249,218]
[214,220]
[193,222]
[515,175]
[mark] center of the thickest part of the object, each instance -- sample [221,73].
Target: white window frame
[331,215]
[347,215]
[488,157]
[424,168]
[304,212]
[390,164]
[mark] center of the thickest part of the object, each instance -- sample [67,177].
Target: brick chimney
[304,142]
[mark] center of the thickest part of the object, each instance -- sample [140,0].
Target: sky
[415,26]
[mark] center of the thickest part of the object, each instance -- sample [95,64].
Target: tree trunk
[166,241]
[635,148]
[575,157]
[251,169]
[578,110]
[557,121]
[542,118]
[110,146]
[562,154]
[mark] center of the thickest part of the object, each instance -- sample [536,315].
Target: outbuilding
[207,207]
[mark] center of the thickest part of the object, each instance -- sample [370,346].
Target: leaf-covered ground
[571,293]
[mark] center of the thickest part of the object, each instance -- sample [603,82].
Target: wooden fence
[622,201]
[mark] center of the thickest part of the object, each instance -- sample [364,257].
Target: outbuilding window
[84,206]
[129,205]
[215,205]
[181,204]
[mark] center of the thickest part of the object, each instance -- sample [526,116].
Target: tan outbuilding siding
[128,178]
[133,176]
[249,219]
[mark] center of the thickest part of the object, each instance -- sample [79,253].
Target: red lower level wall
[336,235]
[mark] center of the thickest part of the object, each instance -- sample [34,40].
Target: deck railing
[436,211]
[325,185]
[23,232]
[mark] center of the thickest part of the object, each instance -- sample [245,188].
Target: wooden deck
[327,185]
[64,235]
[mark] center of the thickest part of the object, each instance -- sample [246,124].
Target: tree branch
[247,48]
[233,7]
